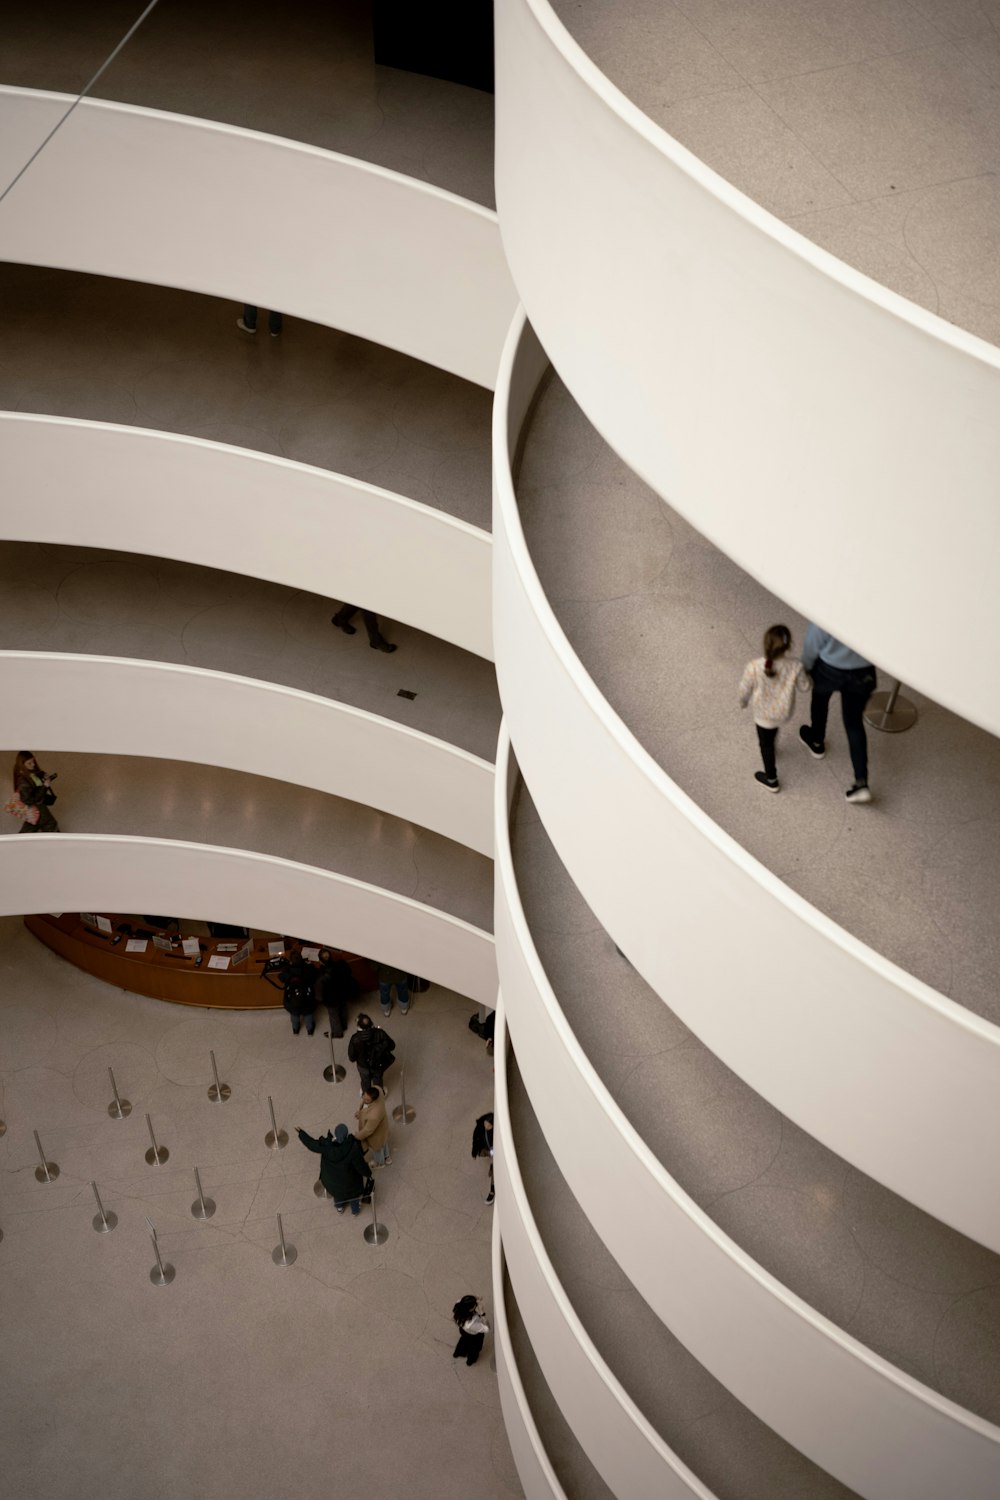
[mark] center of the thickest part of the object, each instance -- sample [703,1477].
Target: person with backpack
[335,986]
[769,684]
[295,980]
[373,1050]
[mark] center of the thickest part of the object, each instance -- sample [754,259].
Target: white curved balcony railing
[148,196]
[627,1452]
[97,484]
[534,1468]
[890,1074]
[873,1427]
[84,872]
[114,706]
[839,443]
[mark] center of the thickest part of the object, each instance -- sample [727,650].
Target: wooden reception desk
[173,976]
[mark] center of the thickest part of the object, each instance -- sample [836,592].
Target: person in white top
[470,1316]
[769,684]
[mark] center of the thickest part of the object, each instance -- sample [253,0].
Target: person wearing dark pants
[835,668]
[372,1049]
[248,322]
[376,640]
[470,1317]
[342,1169]
[768,685]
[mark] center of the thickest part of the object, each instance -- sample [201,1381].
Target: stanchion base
[404,1112]
[221,1094]
[164,1277]
[321,1191]
[156,1158]
[204,1210]
[903,716]
[119,1110]
[48,1173]
[376,1234]
[280,1140]
[105,1225]
[334,1074]
[3,1127]
[287,1257]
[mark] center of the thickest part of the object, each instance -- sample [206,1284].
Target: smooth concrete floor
[664,623]
[331,1377]
[146,356]
[304,70]
[921,1295]
[154,609]
[167,799]
[871,126]
[729,1449]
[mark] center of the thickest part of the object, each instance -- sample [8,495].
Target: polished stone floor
[154,609]
[664,623]
[304,70]
[729,1449]
[147,356]
[333,1376]
[871,126]
[921,1295]
[129,794]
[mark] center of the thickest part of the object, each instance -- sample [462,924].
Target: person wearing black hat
[372,1049]
[342,1169]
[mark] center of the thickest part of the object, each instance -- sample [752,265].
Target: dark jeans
[855,686]
[250,318]
[468,1347]
[767,738]
[345,614]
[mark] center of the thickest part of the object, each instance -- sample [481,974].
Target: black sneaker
[770,782]
[859,792]
[817,751]
[490,1195]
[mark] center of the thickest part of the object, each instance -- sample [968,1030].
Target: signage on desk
[190,947]
[243,952]
[163,943]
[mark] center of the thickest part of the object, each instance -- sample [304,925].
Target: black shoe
[490,1195]
[817,751]
[381,645]
[341,625]
[859,792]
[771,782]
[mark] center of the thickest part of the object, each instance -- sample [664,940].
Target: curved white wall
[113,706]
[888,1073]
[96,484]
[627,1452]
[837,442]
[81,872]
[148,196]
[876,1429]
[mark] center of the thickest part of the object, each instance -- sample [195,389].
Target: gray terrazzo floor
[304,70]
[147,356]
[331,1377]
[729,1449]
[871,126]
[664,623]
[154,609]
[921,1295]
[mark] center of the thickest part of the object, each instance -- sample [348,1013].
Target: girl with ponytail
[769,684]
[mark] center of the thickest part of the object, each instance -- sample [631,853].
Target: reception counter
[97,946]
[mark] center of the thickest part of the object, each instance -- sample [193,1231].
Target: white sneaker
[245,326]
[859,792]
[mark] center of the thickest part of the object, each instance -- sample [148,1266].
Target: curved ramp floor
[871,129]
[730,1450]
[153,609]
[305,71]
[663,623]
[924,1297]
[119,351]
[182,800]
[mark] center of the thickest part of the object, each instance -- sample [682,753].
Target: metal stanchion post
[3,1127]
[890,712]
[102,1221]
[404,1111]
[118,1108]
[48,1171]
[275,1139]
[375,1233]
[202,1207]
[282,1254]
[333,1072]
[156,1155]
[162,1274]
[218,1092]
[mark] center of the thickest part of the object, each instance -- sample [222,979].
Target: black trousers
[855,686]
[468,1347]
[767,739]
[345,614]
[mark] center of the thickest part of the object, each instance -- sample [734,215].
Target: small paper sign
[136,945]
[89,918]
[227,947]
[163,943]
[274,950]
[218,961]
[190,947]
[242,953]
[312,954]
[103,925]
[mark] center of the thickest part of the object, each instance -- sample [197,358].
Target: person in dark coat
[295,979]
[372,1049]
[34,788]
[482,1145]
[342,1168]
[334,986]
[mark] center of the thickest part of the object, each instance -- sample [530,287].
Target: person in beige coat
[373,1126]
